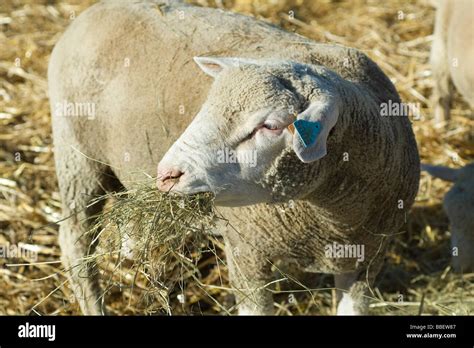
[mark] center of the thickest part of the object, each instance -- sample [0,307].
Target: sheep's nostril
[173,175]
[168,178]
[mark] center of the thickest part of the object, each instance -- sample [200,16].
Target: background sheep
[357,194]
[452,55]
[459,206]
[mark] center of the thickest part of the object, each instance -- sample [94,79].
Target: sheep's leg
[249,276]
[351,294]
[80,181]
[462,239]
[440,65]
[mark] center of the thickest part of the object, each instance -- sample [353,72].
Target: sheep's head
[244,144]
[459,206]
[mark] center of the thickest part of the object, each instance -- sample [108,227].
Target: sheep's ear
[215,65]
[311,130]
[444,173]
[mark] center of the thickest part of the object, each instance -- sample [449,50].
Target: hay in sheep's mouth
[151,241]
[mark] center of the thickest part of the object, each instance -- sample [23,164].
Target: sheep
[458,204]
[145,68]
[452,54]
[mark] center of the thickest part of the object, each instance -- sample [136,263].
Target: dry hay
[397,34]
[150,244]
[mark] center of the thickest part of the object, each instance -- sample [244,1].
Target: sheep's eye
[273,128]
[270,126]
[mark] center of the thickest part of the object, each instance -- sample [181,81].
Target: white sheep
[459,206]
[348,186]
[452,55]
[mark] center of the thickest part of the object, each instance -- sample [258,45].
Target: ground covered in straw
[397,34]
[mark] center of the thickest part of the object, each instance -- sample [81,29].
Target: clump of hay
[152,241]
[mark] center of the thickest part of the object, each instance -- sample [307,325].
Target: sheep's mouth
[201,201]
[190,191]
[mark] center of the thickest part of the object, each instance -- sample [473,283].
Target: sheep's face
[239,145]
[459,206]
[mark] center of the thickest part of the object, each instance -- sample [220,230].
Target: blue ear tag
[307,131]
